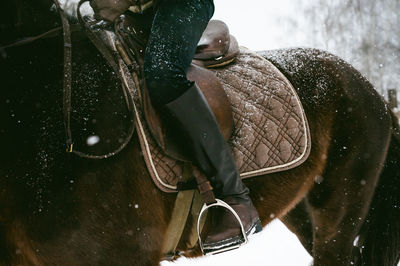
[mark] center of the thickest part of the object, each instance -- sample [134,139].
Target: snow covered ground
[275,246]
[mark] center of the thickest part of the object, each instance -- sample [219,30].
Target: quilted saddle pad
[270,133]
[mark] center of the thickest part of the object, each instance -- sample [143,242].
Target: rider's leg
[176,30]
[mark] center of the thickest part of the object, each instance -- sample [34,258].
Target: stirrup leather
[221,203]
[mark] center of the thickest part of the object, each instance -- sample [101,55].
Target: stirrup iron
[221,203]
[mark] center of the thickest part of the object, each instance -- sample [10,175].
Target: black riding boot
[213,156]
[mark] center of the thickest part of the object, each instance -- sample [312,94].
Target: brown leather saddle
[216,48]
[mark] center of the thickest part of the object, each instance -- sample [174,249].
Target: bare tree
[366,33]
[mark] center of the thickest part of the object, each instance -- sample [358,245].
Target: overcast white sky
[259,24]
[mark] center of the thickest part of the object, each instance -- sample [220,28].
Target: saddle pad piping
[149,153]
[144,143]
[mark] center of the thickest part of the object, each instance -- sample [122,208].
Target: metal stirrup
[221,203]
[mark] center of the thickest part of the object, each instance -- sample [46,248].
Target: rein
[66,29]
[116,62]
[48,34]
[67,87]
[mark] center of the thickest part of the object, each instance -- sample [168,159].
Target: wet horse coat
[59,209]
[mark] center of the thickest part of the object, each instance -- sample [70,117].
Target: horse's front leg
[340,202]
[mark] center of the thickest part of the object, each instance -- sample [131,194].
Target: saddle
[257,108]
[216,48]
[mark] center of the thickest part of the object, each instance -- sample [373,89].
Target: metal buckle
[69,147]
[221,203]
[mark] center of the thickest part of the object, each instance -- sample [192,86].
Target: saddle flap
[214,42]
[166,134]
[132,33]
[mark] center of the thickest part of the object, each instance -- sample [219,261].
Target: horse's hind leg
[340,202]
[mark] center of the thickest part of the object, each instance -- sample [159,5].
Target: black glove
[109,10]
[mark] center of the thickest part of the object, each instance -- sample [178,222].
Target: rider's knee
[165,84]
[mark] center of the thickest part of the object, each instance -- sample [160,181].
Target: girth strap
[187,203]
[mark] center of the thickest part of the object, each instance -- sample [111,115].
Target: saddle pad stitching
[256,85]
[273,154]
[288,113]
[306,134]
[144,144]
[166,168]
[282,129]
[272,157]
[285,106]
[148,151]
[266,107]
[238,127]
[248,155]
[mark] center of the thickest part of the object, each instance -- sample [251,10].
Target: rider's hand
[109,10]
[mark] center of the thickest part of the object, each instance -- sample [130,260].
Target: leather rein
[66,29]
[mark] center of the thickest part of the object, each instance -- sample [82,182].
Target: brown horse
[343,203]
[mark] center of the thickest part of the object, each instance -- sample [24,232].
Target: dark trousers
[176,30]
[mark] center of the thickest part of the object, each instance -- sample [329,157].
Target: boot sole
[231,243]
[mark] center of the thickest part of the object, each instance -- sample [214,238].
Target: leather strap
[67,76]
[179,217]
[67,88]
[187,203]
[48,34]
[204,186]
[197,204]
[66,29]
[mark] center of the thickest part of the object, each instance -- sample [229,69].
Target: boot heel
[258,226]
